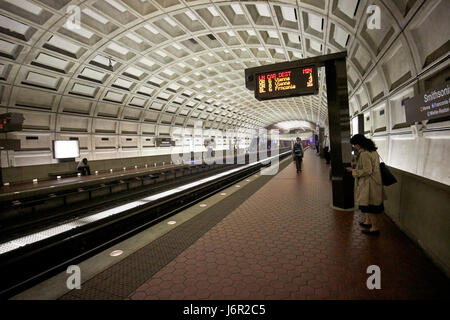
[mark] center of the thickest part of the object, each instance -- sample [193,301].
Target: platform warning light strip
[39,236]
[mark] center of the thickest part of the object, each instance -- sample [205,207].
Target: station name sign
[431,105]
[286,83]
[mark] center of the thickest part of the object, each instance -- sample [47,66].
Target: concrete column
[361,123]
[339,133]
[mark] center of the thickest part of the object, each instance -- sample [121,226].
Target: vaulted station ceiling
[143,67]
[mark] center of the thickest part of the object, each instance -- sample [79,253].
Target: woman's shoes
[370,232]
[362,224]
[374,232]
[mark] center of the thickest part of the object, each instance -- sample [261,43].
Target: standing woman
[369,193]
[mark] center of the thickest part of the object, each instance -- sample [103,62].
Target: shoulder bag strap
[380,156]
[380,172]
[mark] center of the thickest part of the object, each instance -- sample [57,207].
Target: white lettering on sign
[436,94]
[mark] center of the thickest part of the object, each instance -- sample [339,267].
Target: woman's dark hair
[365,143]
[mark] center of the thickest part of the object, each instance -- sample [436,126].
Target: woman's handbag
[387,177]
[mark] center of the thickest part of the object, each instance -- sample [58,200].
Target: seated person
[83,167]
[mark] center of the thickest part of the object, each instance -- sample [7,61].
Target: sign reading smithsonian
[433,104]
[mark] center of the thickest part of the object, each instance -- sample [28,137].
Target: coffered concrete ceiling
[144,67]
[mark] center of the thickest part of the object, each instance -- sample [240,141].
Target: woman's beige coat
[368,185]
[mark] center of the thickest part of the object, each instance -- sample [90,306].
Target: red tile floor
[285,242]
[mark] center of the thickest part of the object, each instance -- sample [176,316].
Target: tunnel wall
[425,154]
[420,207]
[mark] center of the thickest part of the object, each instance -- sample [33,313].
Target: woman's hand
[349,169]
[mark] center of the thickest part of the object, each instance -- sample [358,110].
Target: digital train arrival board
[286,83]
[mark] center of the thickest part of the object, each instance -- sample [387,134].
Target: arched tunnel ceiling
[177,61]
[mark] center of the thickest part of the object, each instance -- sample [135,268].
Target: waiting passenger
[83,167]
[369,192]
[298,154]
[326,149]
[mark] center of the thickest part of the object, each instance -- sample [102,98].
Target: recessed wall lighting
[191,15]
[171,222]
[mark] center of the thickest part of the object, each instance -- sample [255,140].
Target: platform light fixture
[116,253]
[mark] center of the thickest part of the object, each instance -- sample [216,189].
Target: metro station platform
[266,237]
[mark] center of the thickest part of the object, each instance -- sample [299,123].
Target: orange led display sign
[286,83]
[11,122]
